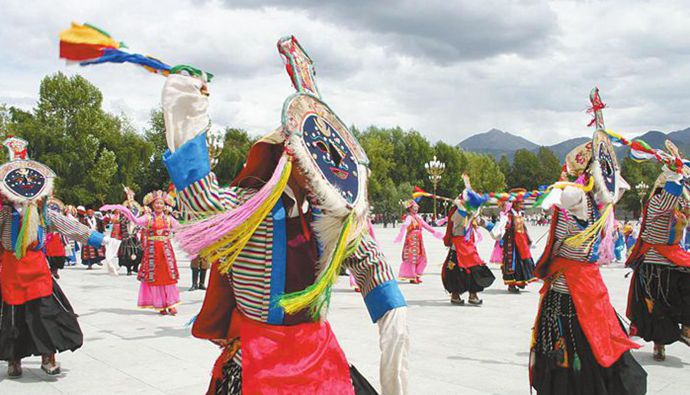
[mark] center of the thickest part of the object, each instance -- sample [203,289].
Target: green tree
[484,172]
[235,149]
[549,167]
[524,172]
[635,173]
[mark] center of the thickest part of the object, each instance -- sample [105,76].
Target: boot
[659,352]
[474,299]
[195,279]
[49,365]
[513,289]
[456,299]
[202,279]
[14,368]
[55,273]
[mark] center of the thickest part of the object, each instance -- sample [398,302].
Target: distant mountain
[497,143]
[561,149]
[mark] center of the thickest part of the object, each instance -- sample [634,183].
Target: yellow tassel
[229,247]
[587,236]
[318,294]
[564,184]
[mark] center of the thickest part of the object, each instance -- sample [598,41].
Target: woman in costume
[659,297]
[158,272]
[579,345]
[463,269]
[35,316]
[496,230]
[72,247]
[518,266]
[413,253]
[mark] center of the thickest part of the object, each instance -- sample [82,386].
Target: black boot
[195,279]
[202,279]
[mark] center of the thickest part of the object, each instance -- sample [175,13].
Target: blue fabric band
[383,298]
[189,163]
[673,188]
[95,239]
[278,263]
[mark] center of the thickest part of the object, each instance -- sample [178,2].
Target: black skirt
[521,274]
[563,362]
[460,280]
[130,253]
[39,327]
[56,262]
[659,302]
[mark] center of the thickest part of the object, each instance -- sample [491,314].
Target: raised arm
[73,229]
[430,229]
[187,159]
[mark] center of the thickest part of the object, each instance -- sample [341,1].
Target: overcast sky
[449,69]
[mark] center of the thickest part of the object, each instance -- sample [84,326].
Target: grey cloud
[445,31]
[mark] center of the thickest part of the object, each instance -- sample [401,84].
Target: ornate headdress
[25,182]
[408,204]
[156,195]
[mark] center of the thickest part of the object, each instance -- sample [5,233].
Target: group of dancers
[464,271]
[279,234]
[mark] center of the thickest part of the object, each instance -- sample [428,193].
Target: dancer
[35,316]
[659,298]
[578,344]
[90,255]
[518,266]
[413,253]
[277,237]
[463,269]
[158,272]
[496,230]
[303,216]
[130,252]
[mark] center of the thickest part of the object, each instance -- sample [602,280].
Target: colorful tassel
[223,236]
[588,236]
[318,295]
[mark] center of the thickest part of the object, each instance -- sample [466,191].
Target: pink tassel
[196,236]
[606,245]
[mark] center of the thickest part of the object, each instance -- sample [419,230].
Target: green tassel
[576,363]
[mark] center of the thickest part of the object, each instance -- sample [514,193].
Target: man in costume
[277,238]
[35,316]
[463,269]
[91,255]
[518,266]
[413,252]
[578,344]
[659,298]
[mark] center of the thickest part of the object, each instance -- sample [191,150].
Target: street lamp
[435,169]
[642,189]
[214,141]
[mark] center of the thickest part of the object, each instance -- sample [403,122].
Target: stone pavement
[455,349]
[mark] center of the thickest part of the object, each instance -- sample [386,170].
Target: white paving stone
[455,349]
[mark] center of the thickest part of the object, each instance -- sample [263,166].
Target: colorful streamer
[87,45]
[640,151]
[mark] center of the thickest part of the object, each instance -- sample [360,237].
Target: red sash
[466,252]
[595,314]
[674,253]
[25,279]
[297,359]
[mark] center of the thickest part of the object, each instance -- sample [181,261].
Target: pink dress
[497,254]
[413,253]
[158,273]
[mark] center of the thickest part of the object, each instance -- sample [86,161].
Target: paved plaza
[455,349]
